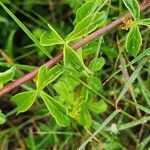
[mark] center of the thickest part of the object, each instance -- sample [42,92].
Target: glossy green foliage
[62,89]
[95,83]
[57,110]
[133,41]
[51,38]
[86,9]
[73,103]
[87,25]
[96,64]
[133,7]
[65,87]
[46,76]
[85,109]
[85,116]
[72,59]
[24,100]
[71,91]
[7,76]
[98,107]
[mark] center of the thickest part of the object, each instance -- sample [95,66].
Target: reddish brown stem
[75,46]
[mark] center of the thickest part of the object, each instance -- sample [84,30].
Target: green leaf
[95,83]
[30,141]
[51,38]
[98,107]
[86,9]
[72,59]
[133,41]
[62,88]
[41,77]
[26,30]
[87,50]
[46,76]
[133,7]
[2,118]
[145,22]
[84,116]
[96,64]
[24,100]
[53,74]
[7,75]
[69,81]
[57,110]
[10,44]
[87,25]
[110,52]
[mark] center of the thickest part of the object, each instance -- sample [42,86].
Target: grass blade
[134,123]
[131,80]
[26,30]
[146,110]
[99,129]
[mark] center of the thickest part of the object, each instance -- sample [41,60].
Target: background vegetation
[90,91]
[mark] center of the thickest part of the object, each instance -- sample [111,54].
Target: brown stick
[75,46]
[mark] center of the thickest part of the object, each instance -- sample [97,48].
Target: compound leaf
[63,90]
[57,110]
[98,107]
[86,9]
[24,100]
[84,116]
[87,25]
[133,7]
[72,59]
[46,76]
[96,64]
[50,38]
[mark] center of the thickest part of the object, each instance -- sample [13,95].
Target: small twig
[141,132]
[6,57]
[75,46]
